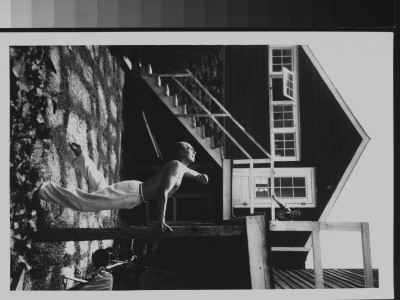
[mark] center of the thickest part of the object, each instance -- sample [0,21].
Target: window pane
[299,181]
[276,68]
[289,136]
[279,108]
[288,108]
[288,66]
[279,124]
[279,137]
[276,52]
[287,52]
[277,60]
[287,192]
[286,181]
[289,153]
[289,124]
[262,190]
[300,193]
[278,116]
[288,115]
[287,60]
[289,145]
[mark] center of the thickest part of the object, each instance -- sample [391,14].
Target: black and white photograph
[180,161]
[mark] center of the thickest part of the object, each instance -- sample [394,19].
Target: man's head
[185,152]
[100,258]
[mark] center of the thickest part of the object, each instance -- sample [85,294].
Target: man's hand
[203,178]
[160,229]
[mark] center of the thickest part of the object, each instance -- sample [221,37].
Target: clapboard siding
[329,140]
[246,96]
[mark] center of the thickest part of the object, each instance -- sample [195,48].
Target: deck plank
[333,278]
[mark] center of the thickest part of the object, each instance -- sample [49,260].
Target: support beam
[226,189]
[260,272]
[308,226]
[135,232]
[316,246]
[366,249]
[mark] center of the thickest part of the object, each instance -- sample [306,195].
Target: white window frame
[291,101]
[270,61]
[241,182]
[286,80]
[296,145]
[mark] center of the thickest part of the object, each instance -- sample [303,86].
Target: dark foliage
[28,103]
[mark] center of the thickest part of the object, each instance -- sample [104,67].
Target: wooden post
[226,189]
[251,189]
[260,271]
[368,279]
[316,246]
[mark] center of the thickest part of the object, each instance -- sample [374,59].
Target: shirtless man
[167,181]
[126,194]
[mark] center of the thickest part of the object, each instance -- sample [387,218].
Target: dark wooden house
[278,128]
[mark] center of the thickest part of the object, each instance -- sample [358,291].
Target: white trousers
[125,194]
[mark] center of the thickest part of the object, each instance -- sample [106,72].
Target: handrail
[315,228]
[202,115]
[213,118]
[229,115]
[226,114]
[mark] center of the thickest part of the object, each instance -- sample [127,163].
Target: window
[285,187]
[283,103]
[281,58]
[288,84]
[283,116]
[293,186]
[285,144]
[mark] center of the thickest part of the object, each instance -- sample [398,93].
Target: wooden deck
[333,278]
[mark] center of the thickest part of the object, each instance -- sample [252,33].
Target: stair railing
[225,114]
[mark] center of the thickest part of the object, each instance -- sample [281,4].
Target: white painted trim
[354,121]
[286,74]
[244,187]
[294,102]
[226,189]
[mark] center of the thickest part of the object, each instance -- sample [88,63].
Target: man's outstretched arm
[192,174]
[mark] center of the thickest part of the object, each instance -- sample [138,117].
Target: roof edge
[365,138]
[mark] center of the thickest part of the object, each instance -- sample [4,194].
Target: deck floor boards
[333,278]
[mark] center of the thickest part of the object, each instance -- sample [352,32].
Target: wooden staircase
[189,121]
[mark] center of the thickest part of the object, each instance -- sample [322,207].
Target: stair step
[197,132]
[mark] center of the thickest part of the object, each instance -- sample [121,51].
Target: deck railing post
[316,246]
[251,187]
[260,269]
[368,279]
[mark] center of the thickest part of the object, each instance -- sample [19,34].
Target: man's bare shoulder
[174,166]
